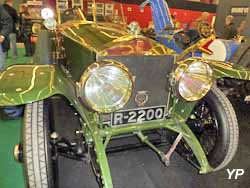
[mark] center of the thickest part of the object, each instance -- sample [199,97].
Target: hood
[105,39]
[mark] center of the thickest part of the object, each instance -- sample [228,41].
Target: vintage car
[201,43]
[91,84]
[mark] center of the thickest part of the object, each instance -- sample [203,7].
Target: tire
[35,139]
[225,145]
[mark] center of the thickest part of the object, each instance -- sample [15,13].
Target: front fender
[21,84]
[225,70]
[229,70]
[182,109]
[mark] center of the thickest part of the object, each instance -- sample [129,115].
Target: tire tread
[233,128]
[34,138]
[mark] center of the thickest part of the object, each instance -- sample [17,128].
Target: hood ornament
[134,28]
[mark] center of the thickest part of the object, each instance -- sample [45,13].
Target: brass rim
[92,68]
[182,69]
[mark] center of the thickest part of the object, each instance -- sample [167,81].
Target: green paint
[78,58]
[226,70]
[145,140]
[21,84]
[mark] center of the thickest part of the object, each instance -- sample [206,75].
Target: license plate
[139,115]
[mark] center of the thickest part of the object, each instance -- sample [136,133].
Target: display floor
[11,174]
[21,59]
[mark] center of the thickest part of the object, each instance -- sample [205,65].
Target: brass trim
[91,69]
[181,70]
[17,152]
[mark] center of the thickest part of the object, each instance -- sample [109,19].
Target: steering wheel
[70,14]
[182,39]
[204,30]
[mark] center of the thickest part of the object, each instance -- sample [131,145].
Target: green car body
[84,43]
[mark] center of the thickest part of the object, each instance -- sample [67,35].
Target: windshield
[96,11]
[73,14]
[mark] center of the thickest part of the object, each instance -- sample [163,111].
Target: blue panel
[231,47]
[161,15]
[170,44]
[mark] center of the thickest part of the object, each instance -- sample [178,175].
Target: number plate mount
[138,115]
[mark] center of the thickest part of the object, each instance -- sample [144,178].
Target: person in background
[5,30]
[8,6]
[230,30]
[240,30]
[150,30]
[177,25]
[26,29]
[202,20]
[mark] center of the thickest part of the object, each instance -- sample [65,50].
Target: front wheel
[36,147]
[214,123]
